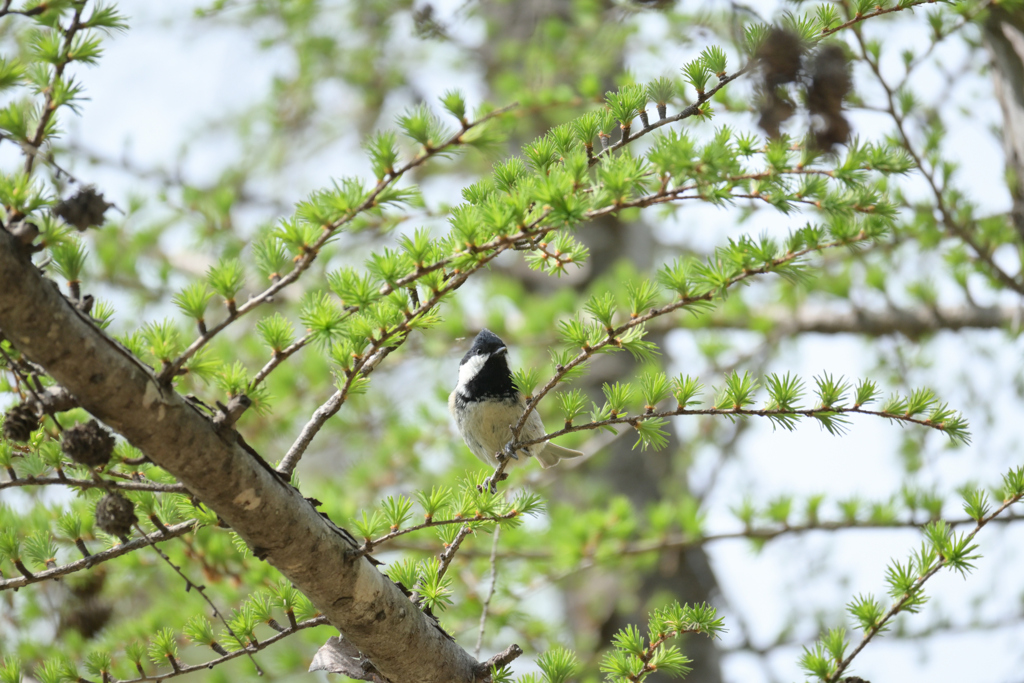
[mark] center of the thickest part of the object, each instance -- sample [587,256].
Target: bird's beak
[500,351]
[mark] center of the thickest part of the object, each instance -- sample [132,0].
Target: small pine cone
[115,515]
[88,618]
[19,423]
[83,210]
[88,444]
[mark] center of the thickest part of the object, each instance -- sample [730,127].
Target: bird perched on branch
[486,405]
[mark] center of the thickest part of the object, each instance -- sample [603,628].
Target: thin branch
[898,606]
[490,593]
[910,322]
[966,18]
[4,10]
[278,358]
[252,648]
[688,112]
[189,585]
[449,552]
[93,484]
[369,545]
[312,250]
[960,231]
[682,302]
[941,629]
[746,412]
[876,13]
[49,108]
[498,661]
[100,557]
[688,541]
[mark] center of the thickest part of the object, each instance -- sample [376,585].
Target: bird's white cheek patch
[470,369]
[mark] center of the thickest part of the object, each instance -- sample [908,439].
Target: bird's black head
[484,371]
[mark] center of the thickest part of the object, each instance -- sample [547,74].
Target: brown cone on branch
[84,209]
[115,515]
[19,423]
[88,444]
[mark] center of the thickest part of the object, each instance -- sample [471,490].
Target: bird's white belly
[486,426]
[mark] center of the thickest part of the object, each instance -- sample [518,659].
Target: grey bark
[1003,35]
[270,515]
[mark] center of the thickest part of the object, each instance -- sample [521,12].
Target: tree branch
[966,233]
[96,558]
[689,541]
[899,605]
[312,250]
[271,516]
[613,334]
[94,484]
[263,644]
[913,323]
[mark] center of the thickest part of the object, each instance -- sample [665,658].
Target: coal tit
[486,404]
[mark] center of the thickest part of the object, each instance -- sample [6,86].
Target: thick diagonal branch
[273,518]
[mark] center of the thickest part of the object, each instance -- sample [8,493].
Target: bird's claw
[492,483]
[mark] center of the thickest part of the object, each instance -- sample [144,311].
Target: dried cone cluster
[83,210]
[780,57]
[19,423]
[830,83]
[86,610]
[88,444]
[115,515]
[826,75]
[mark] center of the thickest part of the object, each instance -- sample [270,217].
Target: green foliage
[198,629]
[320,315]
[697,74]
[866,611]
[193,300]
[276,331]
[435,589]
[163,647]
[715,60]
[626,104]
[558,665]
[655,388]
[98,662]
[226,278]
[162,340]
[383,153]
[420,124]
[434,502]
[634,658]
[41,549]
[69,259]
[652,433]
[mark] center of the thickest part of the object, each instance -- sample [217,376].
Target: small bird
[486,404]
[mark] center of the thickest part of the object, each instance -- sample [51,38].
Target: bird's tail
[552,453]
